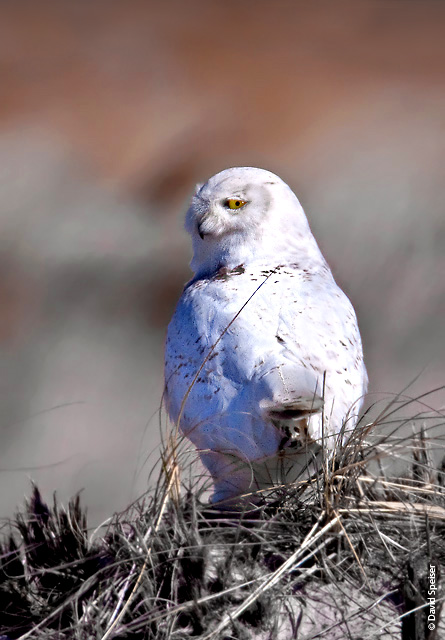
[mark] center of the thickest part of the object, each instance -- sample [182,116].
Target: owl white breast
[264,362]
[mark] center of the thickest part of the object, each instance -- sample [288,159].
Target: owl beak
[202,225]
[200,231]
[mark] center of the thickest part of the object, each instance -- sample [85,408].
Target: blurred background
[110,112]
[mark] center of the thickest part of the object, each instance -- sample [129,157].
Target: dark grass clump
[52,562]
[346,554]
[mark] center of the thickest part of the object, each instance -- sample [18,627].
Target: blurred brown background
[110,112]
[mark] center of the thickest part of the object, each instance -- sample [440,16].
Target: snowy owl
[264,363]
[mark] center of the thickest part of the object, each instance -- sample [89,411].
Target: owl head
[244,215]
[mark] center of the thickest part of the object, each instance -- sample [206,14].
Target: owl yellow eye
[235,203]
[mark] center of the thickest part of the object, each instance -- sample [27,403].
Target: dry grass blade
[399,508]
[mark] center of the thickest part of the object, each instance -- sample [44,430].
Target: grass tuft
[344,554]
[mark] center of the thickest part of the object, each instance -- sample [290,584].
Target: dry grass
[345,554]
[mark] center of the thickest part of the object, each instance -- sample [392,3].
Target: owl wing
[319,331]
